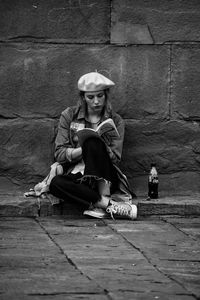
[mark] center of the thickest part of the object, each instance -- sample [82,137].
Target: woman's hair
[108,106]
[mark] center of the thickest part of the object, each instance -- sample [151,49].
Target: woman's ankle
[103,202]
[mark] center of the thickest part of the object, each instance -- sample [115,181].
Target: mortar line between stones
[170,83]
[46,41]
[36,41]
[70,261]
[21,40]
[57,245]
[110,29]
[176,227]
[63,293]
[149,260]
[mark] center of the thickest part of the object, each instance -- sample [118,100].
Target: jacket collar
[81,112]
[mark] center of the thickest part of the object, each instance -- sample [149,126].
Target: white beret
[93,82]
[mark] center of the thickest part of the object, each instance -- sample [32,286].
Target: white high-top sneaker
[122,209]
[96,212]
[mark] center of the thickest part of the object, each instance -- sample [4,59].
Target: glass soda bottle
[153,182]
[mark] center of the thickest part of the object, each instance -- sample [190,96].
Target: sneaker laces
[122,209]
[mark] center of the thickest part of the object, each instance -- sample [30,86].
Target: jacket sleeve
[63,146]
[115,145]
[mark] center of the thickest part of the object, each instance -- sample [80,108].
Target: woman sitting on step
[90,172]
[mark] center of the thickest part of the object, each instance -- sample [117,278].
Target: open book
[106,128]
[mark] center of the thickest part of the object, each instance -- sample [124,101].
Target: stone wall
[150,49]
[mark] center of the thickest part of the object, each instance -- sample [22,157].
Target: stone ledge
[174,205]
[18,206]
[15,205]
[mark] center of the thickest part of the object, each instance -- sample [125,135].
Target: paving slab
[148,296]
[59,257]
[36,267]
[114,256]
[171,250]
[189,226]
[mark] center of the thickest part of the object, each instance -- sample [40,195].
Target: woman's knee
[93,144]
[55,183]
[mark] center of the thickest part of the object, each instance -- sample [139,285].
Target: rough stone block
[44,207]
[141,82]
[8,186]
[17,206]
[26,149]
[63,20]
[170,206]
[185,82]
[172,145]
[180,183]
[37,82]
[147,22]
[42,81]
[127,33]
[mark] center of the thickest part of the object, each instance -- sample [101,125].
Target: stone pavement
[72,257]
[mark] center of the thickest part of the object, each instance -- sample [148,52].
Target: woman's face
[95,101]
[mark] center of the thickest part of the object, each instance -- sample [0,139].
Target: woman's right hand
[77,153]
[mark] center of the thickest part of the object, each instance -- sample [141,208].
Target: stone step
[173,205]
[16,205]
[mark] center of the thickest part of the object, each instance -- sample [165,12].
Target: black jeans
[82,188]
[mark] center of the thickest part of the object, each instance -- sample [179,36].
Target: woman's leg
[68,189]
[98,164]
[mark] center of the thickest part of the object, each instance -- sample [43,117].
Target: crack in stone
[64,293]
[180,260]
[149,260]
[151,35]
[58,246]
[179,229]
[106,292]
[170,83]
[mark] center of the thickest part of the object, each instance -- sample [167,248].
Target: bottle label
[153,179]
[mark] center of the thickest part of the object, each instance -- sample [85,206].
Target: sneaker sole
[95,215]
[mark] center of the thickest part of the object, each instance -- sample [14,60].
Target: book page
[108,127]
